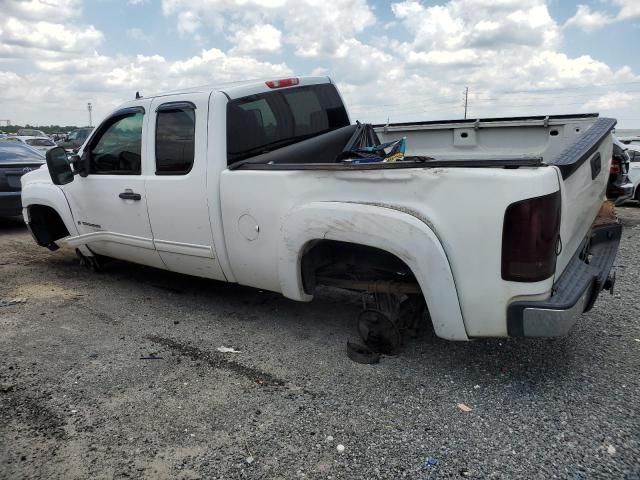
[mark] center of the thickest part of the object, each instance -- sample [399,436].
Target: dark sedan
[72,142]
[16,159]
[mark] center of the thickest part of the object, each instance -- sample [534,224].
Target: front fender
[397,232]
[48,194]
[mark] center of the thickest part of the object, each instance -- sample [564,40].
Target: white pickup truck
[490,224]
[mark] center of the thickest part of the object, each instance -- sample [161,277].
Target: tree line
[48,129]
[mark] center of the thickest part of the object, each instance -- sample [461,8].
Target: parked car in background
[73,141]
[58,136]
[633,152]
[633,140]
[619,186]
[42,144]
[30,132]
[16,159]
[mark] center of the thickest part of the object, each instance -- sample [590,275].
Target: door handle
[128,194]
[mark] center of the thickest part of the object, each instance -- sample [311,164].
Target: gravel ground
[77,400]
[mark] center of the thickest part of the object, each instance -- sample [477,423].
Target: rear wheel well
[392,301]
[330,259]
[46,225]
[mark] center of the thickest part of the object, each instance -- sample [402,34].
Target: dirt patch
[44,291]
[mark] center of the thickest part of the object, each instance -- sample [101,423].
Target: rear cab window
[264,122]
[175,138]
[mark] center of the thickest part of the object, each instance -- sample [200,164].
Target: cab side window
[175,138]
[118,150]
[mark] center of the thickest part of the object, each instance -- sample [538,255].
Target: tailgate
[583,171]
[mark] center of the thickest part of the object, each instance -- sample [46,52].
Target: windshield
[40,142]
[264,122]
[28,132]
[19,153]
[83,134]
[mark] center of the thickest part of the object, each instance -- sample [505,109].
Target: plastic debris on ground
[227,350]
[340,448]
[431,462]
[463,407]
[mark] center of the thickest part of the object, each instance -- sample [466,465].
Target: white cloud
[588,20]
[188,22]
[214,66]
[314,27]
[460,24]
[47,10]
[258,38]
[509,52]
[611,101]
[20,38]
[59,89]
[628,8]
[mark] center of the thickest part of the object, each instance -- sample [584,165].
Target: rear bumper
[10,204]
[620,192]
[575,291]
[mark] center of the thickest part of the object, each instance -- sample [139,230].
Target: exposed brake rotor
[378,331]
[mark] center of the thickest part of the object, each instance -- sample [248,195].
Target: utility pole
[466,97]
[90,107]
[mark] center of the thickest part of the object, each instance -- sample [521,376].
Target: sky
[392,61]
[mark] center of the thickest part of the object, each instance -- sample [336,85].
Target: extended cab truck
[489,222]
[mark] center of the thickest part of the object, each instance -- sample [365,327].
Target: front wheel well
[46,225]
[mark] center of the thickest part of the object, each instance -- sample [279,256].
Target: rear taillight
[530,237]
[284,82]
[615,168]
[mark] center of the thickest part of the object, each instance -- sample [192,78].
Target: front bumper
[10,204]
[575,291]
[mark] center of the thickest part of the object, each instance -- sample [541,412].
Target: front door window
[118,150]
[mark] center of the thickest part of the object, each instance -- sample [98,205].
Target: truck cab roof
[243,88]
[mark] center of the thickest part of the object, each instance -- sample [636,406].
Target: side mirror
[59,167]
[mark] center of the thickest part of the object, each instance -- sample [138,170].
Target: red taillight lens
[284,82]
[615,168]
[530,237]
